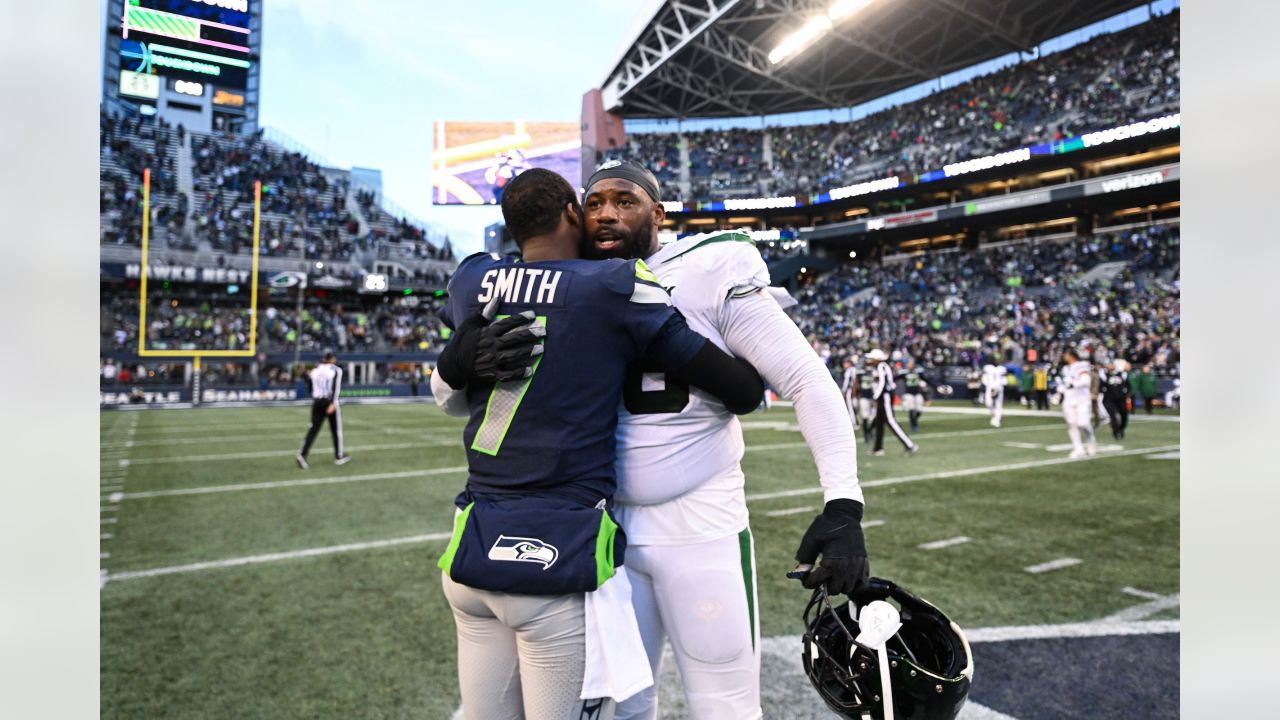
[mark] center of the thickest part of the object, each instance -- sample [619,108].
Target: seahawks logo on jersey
[524,549]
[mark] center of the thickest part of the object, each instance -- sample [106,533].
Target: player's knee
[713,626]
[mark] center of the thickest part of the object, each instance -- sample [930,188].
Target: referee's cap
[877,355]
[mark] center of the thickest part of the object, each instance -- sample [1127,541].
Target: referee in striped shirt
[326,384]
[884,405]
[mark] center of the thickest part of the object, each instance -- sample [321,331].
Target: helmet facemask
[931,666]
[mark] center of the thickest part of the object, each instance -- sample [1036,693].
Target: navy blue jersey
[555,430]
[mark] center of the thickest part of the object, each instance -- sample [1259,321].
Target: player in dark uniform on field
[534,532]
[914,391]
[866,401]
[1115,397]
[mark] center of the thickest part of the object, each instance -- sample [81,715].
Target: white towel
[617,665]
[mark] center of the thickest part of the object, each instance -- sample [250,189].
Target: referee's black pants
[1042,399]
[1119,414]
[318,417]
[884,416]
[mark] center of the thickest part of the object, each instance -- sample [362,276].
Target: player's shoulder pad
[631,279]
[730,254]
[473,261]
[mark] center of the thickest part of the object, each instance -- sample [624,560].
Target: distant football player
[849,388]
[534,534]
[866,401]
[913,392]
[1075,384]
[1115,397]
[994,378]
[681,495]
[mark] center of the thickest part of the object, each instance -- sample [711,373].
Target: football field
[237,586]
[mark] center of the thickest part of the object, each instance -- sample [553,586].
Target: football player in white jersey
[1076,384]
[681,497]
[849,388]
[993,381]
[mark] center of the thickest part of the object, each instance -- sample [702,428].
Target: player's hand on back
[836,535]
[485,351]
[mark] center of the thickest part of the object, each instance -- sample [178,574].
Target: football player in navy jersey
[534,534]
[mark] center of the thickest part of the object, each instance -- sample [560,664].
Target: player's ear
[573,213]
[659,214]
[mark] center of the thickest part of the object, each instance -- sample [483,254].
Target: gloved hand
[836,534]
[485,351]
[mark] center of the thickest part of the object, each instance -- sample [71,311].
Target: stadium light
[792,44]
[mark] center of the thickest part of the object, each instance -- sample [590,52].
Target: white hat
[877,354]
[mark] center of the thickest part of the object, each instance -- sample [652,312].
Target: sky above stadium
[361,84]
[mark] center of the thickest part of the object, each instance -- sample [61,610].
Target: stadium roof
[711,58]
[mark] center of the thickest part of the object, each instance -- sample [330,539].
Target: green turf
[367,633]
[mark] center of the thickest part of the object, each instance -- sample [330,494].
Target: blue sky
[360,83]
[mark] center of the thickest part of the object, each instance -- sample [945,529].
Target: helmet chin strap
[877,622]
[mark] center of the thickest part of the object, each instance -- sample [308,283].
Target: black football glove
[484,351]
[836,534]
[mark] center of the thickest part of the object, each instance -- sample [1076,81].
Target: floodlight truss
[723,47]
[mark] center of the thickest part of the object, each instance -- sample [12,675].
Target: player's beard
[635,244]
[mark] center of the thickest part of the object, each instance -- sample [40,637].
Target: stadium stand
[1114,78]
[1010,303]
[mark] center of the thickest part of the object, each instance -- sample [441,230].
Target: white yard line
[962,473]
[1144,594]
[276,453]
[1147,609]
[791,511]
[871,523]
[275,557]
[305,482]
[939,544]
[1104,628]
[953,433]
[1058,564]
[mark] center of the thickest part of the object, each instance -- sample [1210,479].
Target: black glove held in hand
[836,534]
[481,351]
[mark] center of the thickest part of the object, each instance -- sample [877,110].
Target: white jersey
[679,474]
[1076,383]
[994,377]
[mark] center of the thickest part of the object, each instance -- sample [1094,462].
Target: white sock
[1073,432]
[1088,429]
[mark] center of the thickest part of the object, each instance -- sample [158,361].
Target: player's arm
[755,328]
[452,402]
[733,381]
[337,388]
[661,334]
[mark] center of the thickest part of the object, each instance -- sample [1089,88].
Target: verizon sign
[1134,180]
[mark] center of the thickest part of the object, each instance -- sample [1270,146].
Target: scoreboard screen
[204,41]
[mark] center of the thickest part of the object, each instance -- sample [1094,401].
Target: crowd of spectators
[1010,304]
[126,147]
[198,322]
[303,206]
[1112,79]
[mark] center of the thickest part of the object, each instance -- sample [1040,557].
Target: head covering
[877,355]
[625,170]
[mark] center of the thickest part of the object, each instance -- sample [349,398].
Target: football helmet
[930,664]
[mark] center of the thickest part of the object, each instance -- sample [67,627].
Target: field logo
[523,549]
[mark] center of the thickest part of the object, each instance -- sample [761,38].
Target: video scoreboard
[195,42]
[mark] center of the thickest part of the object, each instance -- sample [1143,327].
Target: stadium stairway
[186,175]
[686,180]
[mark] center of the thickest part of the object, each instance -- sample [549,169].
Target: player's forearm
[731,380]
[756,329]
[452,402]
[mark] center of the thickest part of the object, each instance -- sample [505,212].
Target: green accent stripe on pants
[748,580]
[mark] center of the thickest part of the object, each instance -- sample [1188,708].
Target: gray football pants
[521,657]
